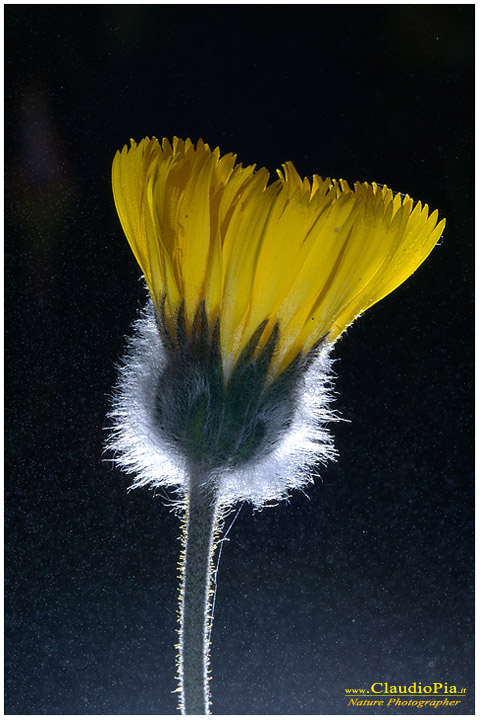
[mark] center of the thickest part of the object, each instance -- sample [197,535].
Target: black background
[368,580]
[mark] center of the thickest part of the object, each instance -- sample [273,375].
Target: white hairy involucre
[140,446]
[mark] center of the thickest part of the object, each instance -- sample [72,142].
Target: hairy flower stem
[199,533]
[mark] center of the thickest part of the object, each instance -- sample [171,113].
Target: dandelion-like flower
[223,395]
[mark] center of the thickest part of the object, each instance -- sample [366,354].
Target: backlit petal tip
[308,255]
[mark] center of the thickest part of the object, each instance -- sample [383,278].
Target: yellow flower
[308,256]
[222,395]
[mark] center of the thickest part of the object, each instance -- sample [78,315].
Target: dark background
[368,580]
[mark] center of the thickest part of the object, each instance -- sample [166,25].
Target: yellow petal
[243,238]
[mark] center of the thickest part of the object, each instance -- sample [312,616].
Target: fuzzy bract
[143,446]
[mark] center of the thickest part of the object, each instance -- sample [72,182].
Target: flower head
[251,284]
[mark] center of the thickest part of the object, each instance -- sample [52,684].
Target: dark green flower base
[218,423]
